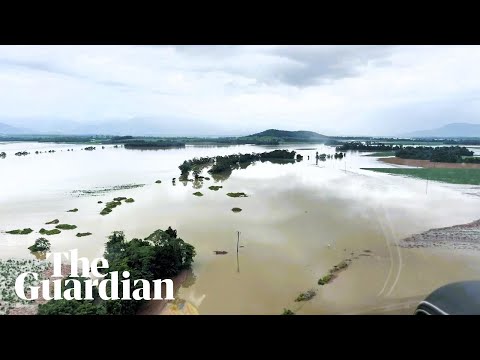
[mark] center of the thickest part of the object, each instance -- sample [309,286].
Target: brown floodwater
[298,221]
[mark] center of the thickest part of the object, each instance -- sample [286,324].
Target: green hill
[286,136]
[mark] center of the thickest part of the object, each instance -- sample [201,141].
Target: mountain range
[449,131]
[187,127]
[135,126]
[12,130]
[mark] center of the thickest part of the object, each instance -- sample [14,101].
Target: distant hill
[453,130]
[284,135]
[11,130]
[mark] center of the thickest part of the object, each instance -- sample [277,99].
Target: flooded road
[297,222]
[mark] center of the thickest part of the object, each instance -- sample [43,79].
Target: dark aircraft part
[460,298]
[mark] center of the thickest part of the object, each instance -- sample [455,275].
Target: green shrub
[66,227]
[25,231]
[236,194]
[84,234]
[49,232]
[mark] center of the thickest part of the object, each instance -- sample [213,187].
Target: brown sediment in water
[32,309]
[428,163]
[465,237]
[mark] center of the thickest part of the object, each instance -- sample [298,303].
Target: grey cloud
[56,70]
[314,64]
[209,50]
[299,66]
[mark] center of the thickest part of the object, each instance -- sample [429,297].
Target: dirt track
[427,163]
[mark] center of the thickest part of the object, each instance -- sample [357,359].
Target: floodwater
[298,221]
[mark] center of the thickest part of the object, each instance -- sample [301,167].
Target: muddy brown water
[298,221]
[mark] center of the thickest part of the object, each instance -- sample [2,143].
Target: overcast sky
[212,90]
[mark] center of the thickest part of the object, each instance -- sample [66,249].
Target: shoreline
[457,237]
[427,163]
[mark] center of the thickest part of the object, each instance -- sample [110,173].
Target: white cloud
[228,89]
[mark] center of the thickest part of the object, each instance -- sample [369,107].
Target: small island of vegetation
[109,206]
[66,227]
[25,231]
[237,194]
[84,234]
[49,232]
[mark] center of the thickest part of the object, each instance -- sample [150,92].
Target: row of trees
[147,145]
[452,154]
[161,255]
[227,163]
[196,165]
[231,162]
[367,146]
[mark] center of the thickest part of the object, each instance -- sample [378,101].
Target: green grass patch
[325,280]
[84,234]
[452,176]
[236,194]
[66,227]
[288,312]
[215,188]
[49,232]
[197,193]
[236,209]
[20,231]
[73,210]
[53,222]
[129,200]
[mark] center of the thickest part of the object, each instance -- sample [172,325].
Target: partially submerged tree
[41,244]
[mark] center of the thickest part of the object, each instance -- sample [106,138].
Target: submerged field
[298,221]
[452,176]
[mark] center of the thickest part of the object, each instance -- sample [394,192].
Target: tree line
[161,255]
[451,154]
